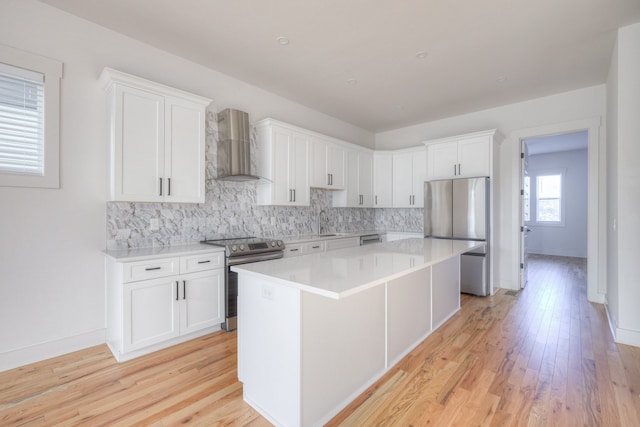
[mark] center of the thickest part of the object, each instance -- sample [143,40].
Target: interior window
[549,198]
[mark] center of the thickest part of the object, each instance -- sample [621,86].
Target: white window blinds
[21,121]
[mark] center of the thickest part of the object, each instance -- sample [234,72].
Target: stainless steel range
[243,250]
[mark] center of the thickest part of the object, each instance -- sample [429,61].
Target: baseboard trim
[620,335]
[36,353]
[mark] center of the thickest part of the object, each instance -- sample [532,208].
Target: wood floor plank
[541,356]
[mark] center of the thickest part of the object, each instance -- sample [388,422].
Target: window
[29,119]
[549,198]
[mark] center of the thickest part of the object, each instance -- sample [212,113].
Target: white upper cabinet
[326,165]
[359,181]
[157,140]
[383,180]
[461,156]
[409,175]
[283,163]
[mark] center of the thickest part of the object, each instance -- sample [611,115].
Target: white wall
[570,238]
[623,99]
[513,121]
[52,286]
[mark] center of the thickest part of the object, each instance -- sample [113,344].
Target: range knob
[234,248]
[273,244]
[279,243]
[242,247]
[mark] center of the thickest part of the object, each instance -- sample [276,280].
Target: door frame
[596,227]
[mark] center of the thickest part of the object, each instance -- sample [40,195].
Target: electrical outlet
[267,292]
[154,224]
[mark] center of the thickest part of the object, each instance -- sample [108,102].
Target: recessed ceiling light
[352,82]
[422,55]
[283,41]
[501,79]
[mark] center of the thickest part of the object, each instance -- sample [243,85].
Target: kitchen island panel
[408,313]
[334,370]
[445,290]
[269,361]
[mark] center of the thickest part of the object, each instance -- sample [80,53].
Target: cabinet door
[382,180]
[335,166]
[184,151]
[365,179]
[150,312]
[402,180]
[138,157]
[299,176]
[473,157]
[282,161]
[351,181]
[442,158]
[318,161]
[419,176]
[202,300]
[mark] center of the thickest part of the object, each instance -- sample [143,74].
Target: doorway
[554,221]
[596,265]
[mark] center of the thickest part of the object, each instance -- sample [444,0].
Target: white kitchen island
[315,331]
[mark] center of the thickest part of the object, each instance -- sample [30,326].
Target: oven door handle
[253,258]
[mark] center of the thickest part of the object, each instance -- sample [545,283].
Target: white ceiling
[541,47]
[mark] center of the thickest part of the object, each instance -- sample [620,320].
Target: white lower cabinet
[156,303]
[150,312]
[298,249]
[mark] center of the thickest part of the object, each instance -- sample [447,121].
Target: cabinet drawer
[150,269]
[292,250]
[193,263]
[313,247]
[342,243]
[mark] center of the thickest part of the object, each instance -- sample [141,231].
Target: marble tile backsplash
[230,210]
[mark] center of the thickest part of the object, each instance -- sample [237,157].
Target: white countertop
[141,254]
[343,272]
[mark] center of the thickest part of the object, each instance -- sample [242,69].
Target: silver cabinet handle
[331,176]
[184,289]
[177,291]
[376,198]
[168,186]
[161,186]
[459,169]
[152,268]
[315,247]
[204,262]
[328,179]
[290,195]
[294,195]
[294,250]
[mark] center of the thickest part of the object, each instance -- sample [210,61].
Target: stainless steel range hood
[234,153]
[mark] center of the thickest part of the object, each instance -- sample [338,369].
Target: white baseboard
[620,335]
[36,353]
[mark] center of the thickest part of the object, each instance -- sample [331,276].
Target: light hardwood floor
[543,356]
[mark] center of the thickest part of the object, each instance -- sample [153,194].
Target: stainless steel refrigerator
[459,209]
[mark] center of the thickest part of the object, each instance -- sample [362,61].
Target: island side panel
[408,313]
[343,350]
[445,284]
[269,348]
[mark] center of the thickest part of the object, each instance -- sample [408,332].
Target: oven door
[231,285]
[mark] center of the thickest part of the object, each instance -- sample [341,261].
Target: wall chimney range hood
[234,153]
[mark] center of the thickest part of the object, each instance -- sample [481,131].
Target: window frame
[52,71]
[550,172]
